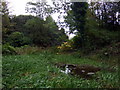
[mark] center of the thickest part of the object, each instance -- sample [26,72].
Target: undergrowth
[38,71]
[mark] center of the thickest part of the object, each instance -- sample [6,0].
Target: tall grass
[28,49]
[38,71]
[1,65]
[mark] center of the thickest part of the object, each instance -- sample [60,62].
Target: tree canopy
[88,22]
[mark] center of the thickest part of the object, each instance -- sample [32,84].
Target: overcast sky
[17,7]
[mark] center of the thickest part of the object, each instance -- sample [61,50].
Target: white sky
[17,7]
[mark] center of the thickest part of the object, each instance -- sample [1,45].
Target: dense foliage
[107,13]
[96,26]
[30,30]
[87,21]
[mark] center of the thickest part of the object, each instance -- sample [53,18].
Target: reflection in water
[67,70]
[84,71]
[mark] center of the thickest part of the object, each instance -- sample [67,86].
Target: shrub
[8,49]
[76,42]
[100,38]
[66,46]
[18,39]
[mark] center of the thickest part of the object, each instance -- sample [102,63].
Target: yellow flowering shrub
[65,46]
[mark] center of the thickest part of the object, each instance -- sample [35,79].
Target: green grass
[0,65]
[38,71]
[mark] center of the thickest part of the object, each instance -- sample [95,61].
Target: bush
[8,49]
[18,39]
[93,40]
[66,46]
[76,42]
[96,39]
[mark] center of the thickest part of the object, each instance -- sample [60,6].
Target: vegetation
[30,30]
[38,71]
[8,49]
[32,45]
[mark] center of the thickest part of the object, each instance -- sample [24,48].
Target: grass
[0,65]
[27,49]
[38,71]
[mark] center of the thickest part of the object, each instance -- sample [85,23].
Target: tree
[5,21]
[5,13]
[43,33]
[44,11]
[76,19]
[50,23]
[58,36]
[107,14]
[41,10]
[35,29]
[19,21]
[18,39]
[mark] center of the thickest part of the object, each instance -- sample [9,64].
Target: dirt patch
[84,71]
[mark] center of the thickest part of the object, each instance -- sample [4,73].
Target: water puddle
[84,71]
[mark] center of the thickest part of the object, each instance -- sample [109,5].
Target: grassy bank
[38,71]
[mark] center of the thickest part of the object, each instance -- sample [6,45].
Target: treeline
[107,14]
[23,30]
[95,25]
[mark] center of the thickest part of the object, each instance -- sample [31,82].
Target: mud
[84,71]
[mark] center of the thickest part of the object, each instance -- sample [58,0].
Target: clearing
[38,71]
